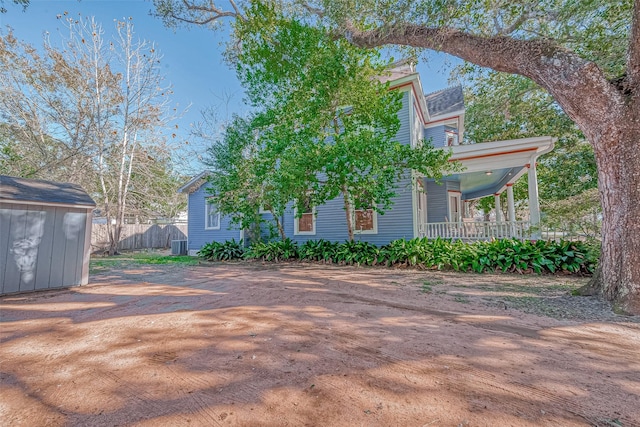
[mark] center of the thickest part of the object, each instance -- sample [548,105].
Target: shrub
[318,250]
[360,253]
[279,250]
[216,251]
[506,255]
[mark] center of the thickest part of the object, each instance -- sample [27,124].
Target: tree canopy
[324,128]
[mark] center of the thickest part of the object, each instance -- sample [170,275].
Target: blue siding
[331,221]
[396,223]
[404,133]
[438,199]
[436,135]
[197,234]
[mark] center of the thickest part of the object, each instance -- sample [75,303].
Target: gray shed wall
[43,247]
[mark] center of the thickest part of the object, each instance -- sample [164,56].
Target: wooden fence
[139,236]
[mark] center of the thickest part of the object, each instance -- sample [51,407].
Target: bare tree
[102,102]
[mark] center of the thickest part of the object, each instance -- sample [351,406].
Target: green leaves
[225,251]
[324,125]
[506,255]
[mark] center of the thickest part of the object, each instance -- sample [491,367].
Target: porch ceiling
[474,185]
[506,160]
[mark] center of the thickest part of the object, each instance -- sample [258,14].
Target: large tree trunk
[607,113]
[618,277]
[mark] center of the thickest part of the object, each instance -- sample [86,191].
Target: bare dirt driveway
[313,345]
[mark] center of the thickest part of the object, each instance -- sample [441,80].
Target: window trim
[374,230]
[262,210]
[206,215]
[296,231]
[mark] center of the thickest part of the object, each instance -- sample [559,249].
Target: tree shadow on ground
[303,345]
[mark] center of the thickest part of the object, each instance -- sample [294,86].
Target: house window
[306,223]
[452,138]
[454,207]
[365,221]
[211,216]
[265,209]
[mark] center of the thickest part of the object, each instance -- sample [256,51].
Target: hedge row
[505,255]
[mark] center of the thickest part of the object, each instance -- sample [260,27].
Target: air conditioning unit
[178,247]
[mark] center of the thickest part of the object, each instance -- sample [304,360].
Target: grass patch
[462,299]
[98,265]
[427,286]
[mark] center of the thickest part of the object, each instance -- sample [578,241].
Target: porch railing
[476,230]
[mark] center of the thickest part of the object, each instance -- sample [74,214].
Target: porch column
[498,231]
[498,208]
[534,204]
[510,203]
[512,211]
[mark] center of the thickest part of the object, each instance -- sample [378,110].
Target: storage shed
[45,234]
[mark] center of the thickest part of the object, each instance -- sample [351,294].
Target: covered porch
[489,168]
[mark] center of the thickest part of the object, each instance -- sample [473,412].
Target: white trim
[296,232]
[188,221]
[414,203]
[442,119]
[262,210]
[500,154]
[375,222]
[206,215]
[86,256]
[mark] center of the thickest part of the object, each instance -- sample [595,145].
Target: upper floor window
[212,216]
[451,138]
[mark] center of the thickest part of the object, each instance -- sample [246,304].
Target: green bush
[217,251]
[279,250]
[506,255]
[318,250]
[360,253]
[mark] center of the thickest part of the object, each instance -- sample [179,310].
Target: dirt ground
[313,345]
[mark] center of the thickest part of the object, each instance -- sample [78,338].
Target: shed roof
[445,101]
[22,190]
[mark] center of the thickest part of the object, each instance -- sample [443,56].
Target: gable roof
[445,101]
[37,191]
[194,183]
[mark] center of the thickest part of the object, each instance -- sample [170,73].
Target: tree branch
[570,79]
[201,13]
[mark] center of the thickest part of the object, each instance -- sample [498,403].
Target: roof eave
[192,182]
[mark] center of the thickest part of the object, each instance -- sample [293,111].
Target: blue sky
[192,58]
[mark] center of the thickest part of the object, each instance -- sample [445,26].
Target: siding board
[5,224]
[45,252]
[59,250]
[436,135]
[15,217]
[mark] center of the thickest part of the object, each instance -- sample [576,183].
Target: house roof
[489,166]
[36,191]
[445,101]
[194,183]
[398,70]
